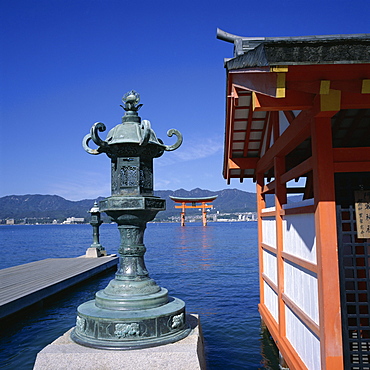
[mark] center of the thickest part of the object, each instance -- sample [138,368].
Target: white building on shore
[74,220]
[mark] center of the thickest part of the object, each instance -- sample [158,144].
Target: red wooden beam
[355,101]
[352,167]
[297,132]
[290,116]
[242,163]
[330,72]
[297,171]
[261,82]
[294,100]
[351,154]
[269,188]
[315,86]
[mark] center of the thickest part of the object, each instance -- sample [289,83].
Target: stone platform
[186,354]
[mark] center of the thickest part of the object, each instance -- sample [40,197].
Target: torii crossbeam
[194,203]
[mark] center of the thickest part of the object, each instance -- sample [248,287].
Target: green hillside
[55,207]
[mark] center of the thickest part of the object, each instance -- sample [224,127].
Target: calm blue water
[214,269]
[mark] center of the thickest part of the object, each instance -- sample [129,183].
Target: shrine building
[298,124]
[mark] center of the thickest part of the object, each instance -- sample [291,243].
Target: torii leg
[204,214]
[183,215]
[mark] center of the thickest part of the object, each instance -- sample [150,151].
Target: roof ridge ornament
[131,100]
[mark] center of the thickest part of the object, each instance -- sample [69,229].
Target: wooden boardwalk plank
[24,285]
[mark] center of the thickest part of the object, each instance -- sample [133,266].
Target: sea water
[214,269]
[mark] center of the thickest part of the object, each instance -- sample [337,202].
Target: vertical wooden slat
[280,199]
[261,204]
[326,242]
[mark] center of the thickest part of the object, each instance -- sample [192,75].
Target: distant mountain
[43,206]
[56,207]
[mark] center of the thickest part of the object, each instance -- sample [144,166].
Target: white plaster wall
[269,209]
[270,266]
[303,340]
[269,231]
[271,301]
[300,285]
[302,203]
[299,236]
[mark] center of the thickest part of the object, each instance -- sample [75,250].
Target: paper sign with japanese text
[362,206]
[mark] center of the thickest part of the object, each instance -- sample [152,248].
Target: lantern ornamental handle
[85,144]
[178,134]
[98,126]
[93,135]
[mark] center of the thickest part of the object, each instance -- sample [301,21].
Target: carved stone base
[108,329]
[186,354]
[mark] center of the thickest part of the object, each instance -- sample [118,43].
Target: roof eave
[336,51]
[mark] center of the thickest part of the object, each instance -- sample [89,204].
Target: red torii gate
[203,204]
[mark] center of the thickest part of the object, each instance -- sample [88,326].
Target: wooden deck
[24,285]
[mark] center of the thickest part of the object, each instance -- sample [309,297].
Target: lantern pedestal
[133,329]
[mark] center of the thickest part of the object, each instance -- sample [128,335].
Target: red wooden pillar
[204,214]
[183,213]
[326,244]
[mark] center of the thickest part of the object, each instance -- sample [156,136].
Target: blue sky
[65,64]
